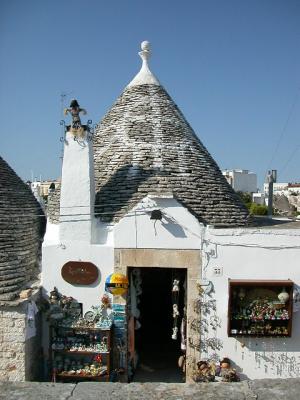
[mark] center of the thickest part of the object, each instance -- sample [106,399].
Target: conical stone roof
[144,145]
[21,230]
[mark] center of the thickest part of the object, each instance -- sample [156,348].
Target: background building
[241,180]
[283,188]
[286,197]
[41,188]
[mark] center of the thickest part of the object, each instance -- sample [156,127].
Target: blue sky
[233,67]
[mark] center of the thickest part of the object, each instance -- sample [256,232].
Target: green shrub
[258,209]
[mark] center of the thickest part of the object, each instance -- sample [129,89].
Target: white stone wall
[55,256]
[178,228]
[77,190]
[249,253]
[253,254]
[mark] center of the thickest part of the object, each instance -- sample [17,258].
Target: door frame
[171,258]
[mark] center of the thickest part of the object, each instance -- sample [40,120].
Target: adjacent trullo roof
[144,145]
[21,231]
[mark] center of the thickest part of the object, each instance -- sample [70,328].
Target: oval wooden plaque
[79,272]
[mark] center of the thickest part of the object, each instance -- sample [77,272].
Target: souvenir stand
[80,347]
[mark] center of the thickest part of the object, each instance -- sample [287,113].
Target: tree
[246,198]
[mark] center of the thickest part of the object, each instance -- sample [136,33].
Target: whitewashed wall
[178,229]
[78,236]
[55,254]
[253,254]
[241,253]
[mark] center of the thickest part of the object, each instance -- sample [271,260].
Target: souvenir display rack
[80,353]
[260,308]
[80,347]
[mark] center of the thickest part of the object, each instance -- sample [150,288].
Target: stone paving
[265,389]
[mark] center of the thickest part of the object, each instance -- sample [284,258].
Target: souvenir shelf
[260,308]
[80,353]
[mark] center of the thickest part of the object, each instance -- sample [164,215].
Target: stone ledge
[264,389]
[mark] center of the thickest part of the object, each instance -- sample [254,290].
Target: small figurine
[175,311]
[175,285]
[205,372]
[54,296]
[175,332]
[227,373]
[105,301]
[75,110]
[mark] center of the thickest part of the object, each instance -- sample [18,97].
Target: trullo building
[143,197]
[22,224]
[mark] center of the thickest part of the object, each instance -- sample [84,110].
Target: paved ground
[265,389]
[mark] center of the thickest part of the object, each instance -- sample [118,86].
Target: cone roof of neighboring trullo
[144,145]
[22,226]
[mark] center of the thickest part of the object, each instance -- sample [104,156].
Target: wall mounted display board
[260,308]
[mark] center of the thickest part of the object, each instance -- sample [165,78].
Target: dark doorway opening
[156,352]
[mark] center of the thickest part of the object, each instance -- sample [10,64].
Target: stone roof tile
[21,230]
[144,144]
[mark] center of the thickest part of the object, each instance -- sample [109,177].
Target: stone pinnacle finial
[145,76]
[145,45]
[146,51]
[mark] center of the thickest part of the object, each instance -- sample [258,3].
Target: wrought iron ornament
[75,110]
[76,128]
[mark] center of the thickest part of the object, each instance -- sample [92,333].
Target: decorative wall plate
[90,316]
[79,272]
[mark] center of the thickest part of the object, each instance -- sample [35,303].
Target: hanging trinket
[175,311]
[175,332]
[175,285]
[175,301]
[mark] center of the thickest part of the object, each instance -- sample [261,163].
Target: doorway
[156,353]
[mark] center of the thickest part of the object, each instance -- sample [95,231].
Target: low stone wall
[265,389]
[19,358]
[12,343]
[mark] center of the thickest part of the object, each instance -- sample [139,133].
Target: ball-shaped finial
[145,45]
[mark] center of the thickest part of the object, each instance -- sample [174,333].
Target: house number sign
[79,272]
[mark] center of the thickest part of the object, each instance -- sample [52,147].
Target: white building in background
[241,180]
[283,188]
[259,198]
[41,189]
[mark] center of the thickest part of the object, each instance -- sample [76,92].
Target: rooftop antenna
[271,178]
[63,96]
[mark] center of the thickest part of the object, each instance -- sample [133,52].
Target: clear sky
[233,68]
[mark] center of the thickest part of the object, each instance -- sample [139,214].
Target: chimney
[77,182]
